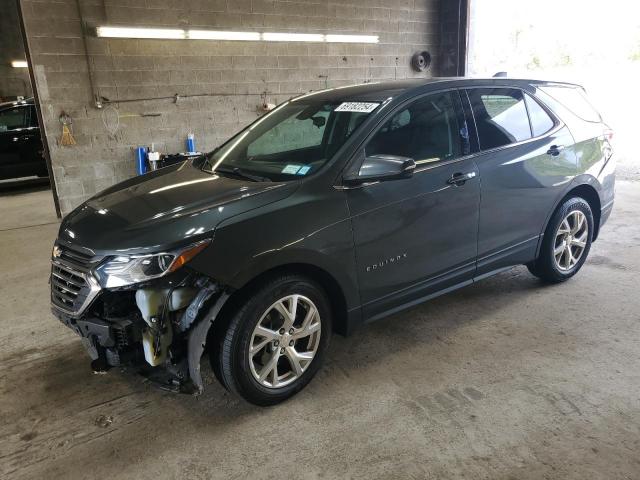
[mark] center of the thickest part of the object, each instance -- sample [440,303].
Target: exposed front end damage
[158,328]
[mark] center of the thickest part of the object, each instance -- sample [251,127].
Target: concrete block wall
[239,72]
[14,82]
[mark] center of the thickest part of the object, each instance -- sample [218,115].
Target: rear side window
[428,130]
[13,118]
[541,122]
[501,116]
[575,100]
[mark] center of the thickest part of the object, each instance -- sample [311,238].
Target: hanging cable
[111,124]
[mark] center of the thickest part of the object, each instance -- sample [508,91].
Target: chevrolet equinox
[337,208]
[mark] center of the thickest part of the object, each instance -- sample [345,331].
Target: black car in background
[338,208]
[20,142]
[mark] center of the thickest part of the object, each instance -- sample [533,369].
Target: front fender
[197,340]
[308,228]
[339,266]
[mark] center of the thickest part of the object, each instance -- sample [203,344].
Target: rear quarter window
[541,122]
[575,99]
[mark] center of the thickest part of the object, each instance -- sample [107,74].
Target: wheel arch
[590,194]
[333,289]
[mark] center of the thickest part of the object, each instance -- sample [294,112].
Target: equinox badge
[386,261]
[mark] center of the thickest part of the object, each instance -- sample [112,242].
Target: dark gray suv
[337,208]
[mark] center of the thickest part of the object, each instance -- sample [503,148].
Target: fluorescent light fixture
[218,35]
[352,38]
[181,34]
[134,32]
[293,37]
[19,64]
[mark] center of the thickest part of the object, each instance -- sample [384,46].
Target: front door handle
[458,179]
[555,150]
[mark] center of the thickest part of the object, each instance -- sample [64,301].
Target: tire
[552,266]
[252,376]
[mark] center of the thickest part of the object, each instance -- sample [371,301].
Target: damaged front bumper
[159,327]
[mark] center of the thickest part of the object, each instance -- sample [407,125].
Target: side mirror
[379,168]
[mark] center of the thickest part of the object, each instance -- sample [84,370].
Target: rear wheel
[276,341]
[566,242]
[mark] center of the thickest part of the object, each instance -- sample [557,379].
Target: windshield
[294,140]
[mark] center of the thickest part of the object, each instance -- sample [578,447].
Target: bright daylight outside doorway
[595,44]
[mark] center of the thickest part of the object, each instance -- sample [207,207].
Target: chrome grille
[72,285]
[79,260]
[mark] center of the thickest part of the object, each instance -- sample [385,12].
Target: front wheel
[566,242]
[276,341]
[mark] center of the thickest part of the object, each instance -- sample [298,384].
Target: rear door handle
[458,179]
[555,150]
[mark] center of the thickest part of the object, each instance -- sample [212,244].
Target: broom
[67,137]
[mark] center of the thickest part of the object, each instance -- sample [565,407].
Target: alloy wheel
[284,341]
[571,240]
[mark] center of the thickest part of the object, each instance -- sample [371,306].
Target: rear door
[526,160]
[20,144]
[418,235]
[31,148]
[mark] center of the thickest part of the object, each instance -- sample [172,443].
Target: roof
[380,91]
[26,101]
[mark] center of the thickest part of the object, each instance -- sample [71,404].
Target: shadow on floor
[22,186]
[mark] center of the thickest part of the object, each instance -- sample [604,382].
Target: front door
[416,236]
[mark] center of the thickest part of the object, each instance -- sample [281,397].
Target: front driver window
[427,131]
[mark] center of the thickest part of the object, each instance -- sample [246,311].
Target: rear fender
[581,181]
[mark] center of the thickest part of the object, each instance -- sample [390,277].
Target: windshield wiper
[238,172]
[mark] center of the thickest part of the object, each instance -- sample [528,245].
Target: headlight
[129,269]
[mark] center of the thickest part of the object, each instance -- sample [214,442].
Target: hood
[163,209]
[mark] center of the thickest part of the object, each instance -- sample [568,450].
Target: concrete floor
[507,379]
[26,204]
